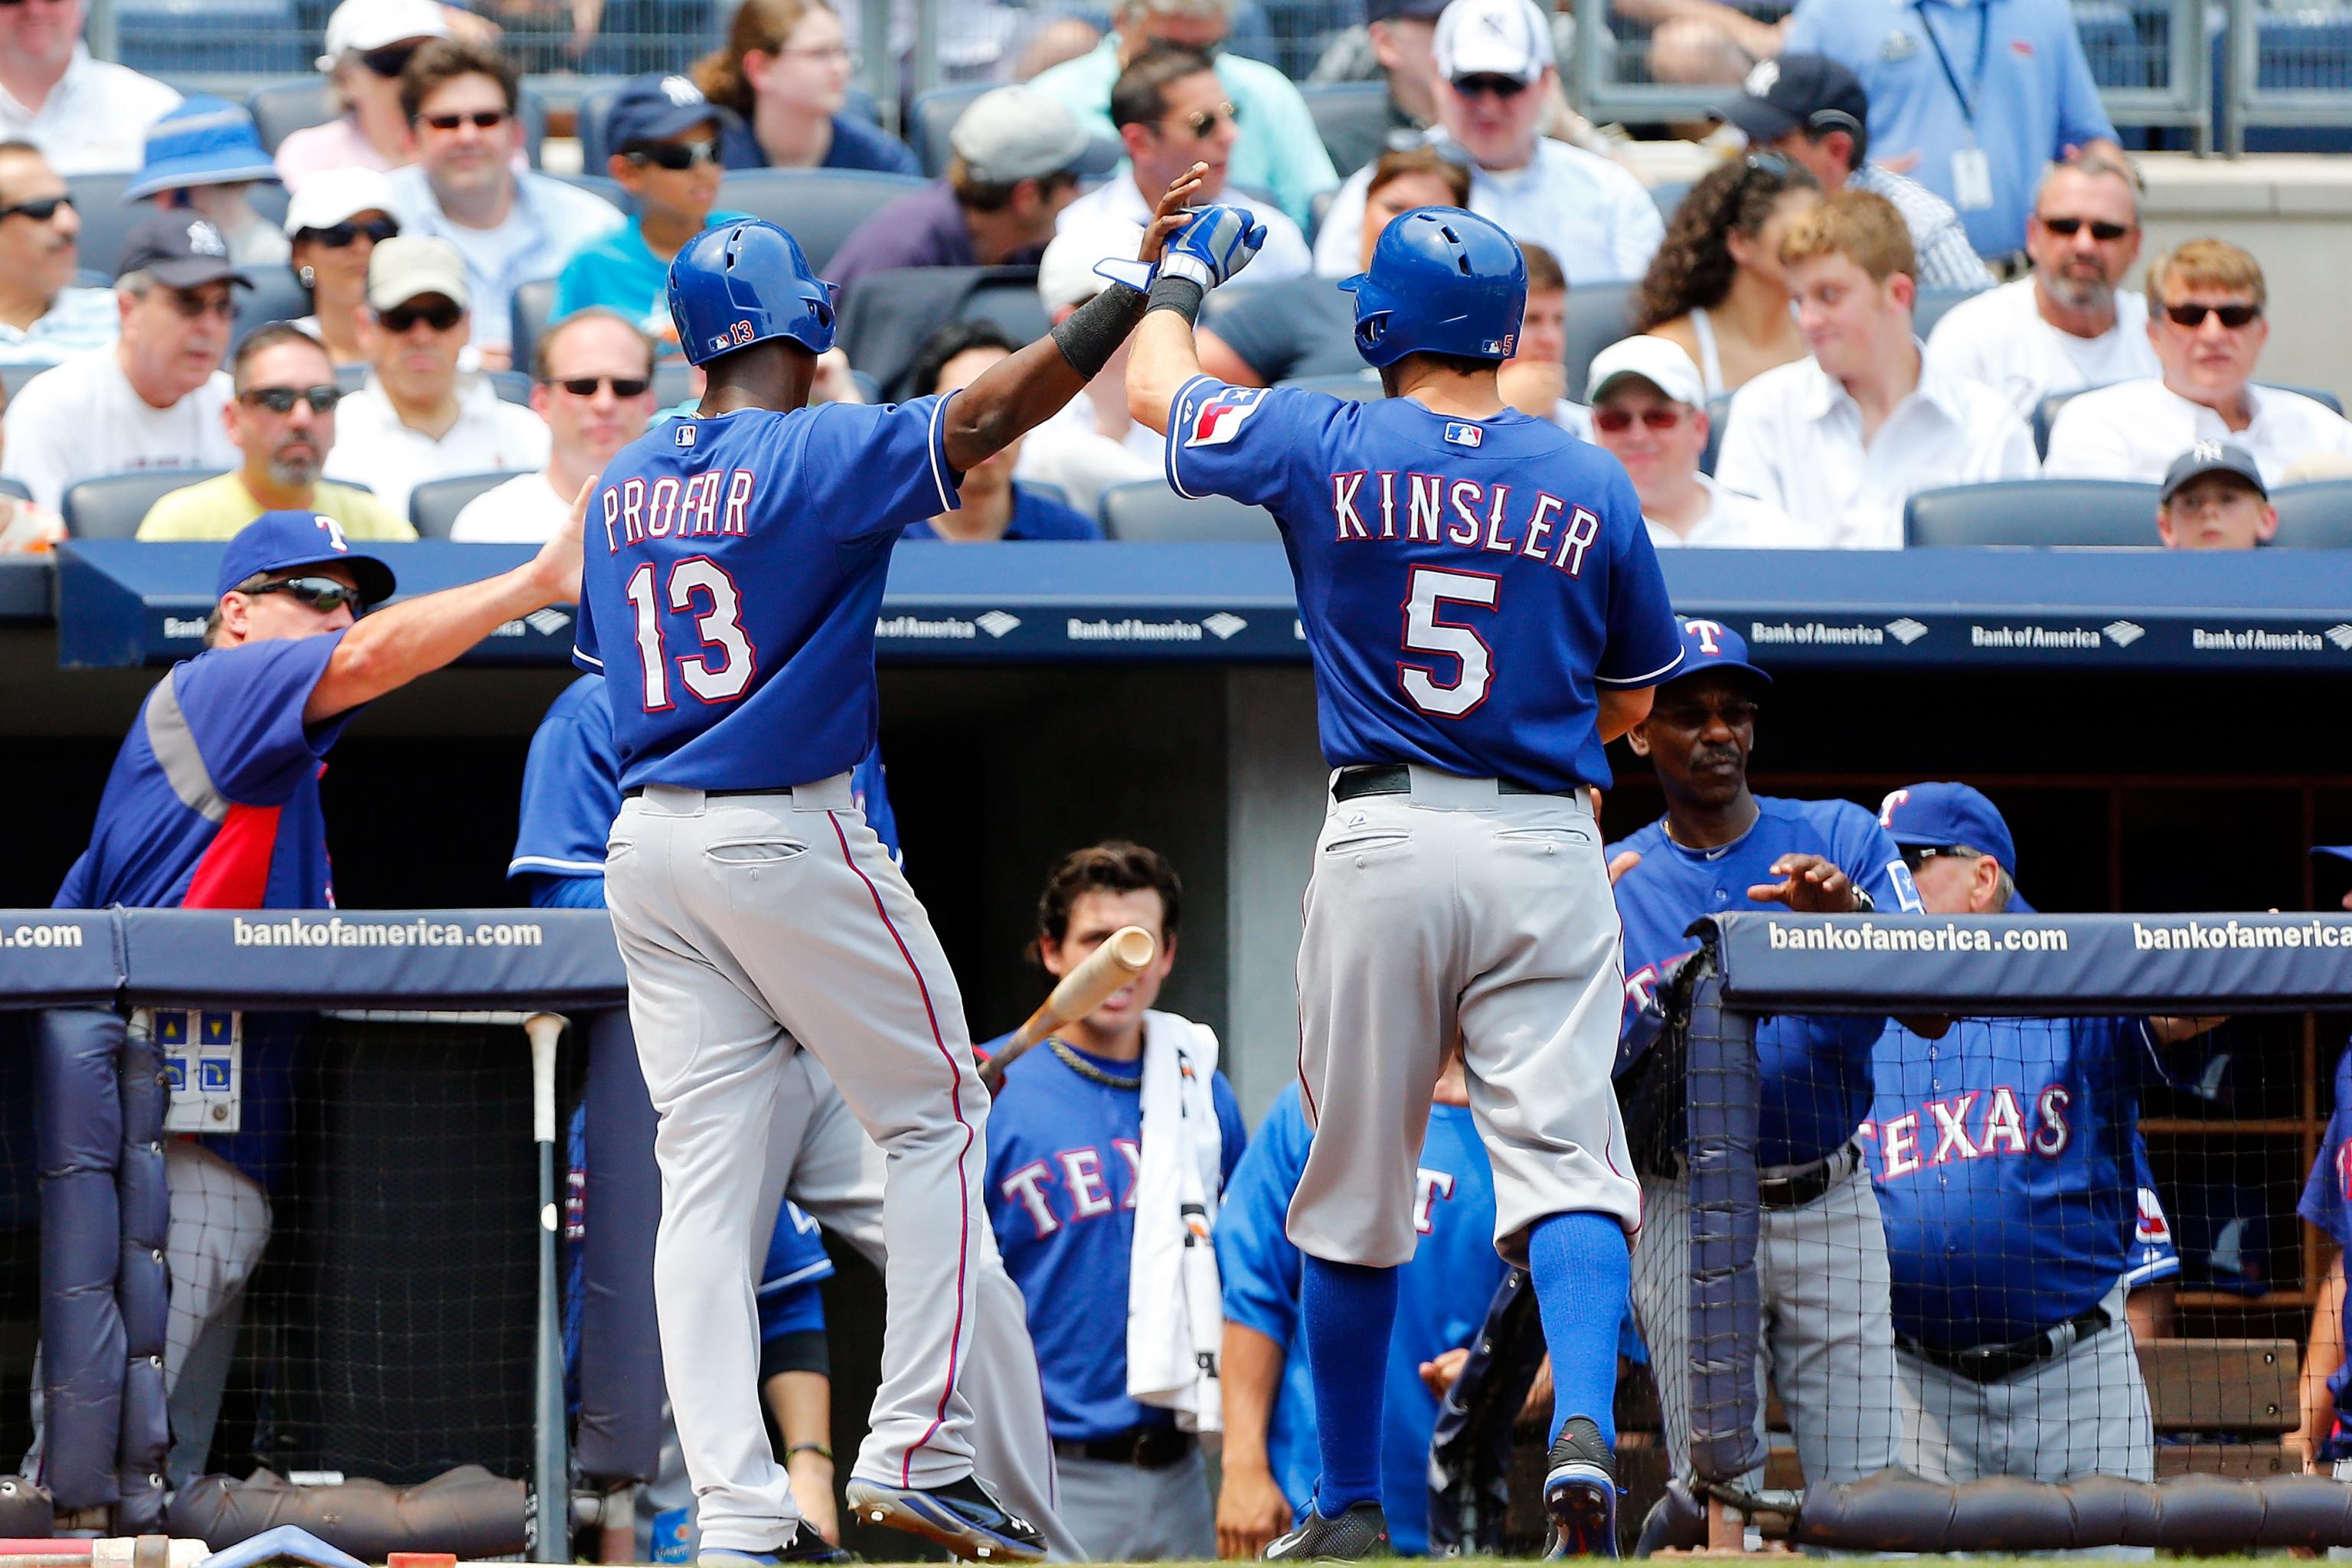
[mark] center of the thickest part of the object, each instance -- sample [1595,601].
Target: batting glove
[1214,244]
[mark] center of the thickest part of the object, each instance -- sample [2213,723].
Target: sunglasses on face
[194,307]
[2193,316]
[587,386]
[323,595]
[480,120]
[1918,855]
[2104,233]
[342,236]
[1617,421]
[389,61]
[1492,84]
[1201,121]
[1734,712]
[282,399]
[41,211]
[675,157]
[441,317]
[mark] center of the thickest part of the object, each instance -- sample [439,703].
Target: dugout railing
[2221,1400]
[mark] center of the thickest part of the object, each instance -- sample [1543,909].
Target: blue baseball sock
[1349,1310]
[1581,1267]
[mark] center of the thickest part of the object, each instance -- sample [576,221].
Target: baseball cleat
[1361,1532]
[962,1516]
[1580,1493]
[805,1546]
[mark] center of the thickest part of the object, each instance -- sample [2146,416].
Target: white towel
[1175,1310]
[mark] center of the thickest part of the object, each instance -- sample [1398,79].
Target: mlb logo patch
[685,434]
[1460,433]
[1220,419]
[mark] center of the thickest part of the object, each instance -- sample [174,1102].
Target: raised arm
[1208,252]
[393,645]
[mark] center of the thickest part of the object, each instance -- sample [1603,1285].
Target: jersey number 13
[723,669]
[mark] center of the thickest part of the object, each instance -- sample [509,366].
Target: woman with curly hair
[785,70]
[1715,286]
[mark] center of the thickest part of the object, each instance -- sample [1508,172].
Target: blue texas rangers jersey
[733,568]
[2152,1255]
[1063,1154]
[2327,1204]
[790,1302]
[571,793]
[1441,1296]
[1816,1070]
[2003,1156]
[213,799]
[1465,585]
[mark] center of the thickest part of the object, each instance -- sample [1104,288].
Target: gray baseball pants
[1124,1513]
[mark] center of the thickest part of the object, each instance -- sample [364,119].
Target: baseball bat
[1128,953]
[551,1473]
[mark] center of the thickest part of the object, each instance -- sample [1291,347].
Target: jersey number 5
[1428,590]
[718,623]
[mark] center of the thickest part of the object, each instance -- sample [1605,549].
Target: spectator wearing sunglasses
[783,74]
[89,116]
[283,422]
[594,387]
[334,227]
[2067,325]
[1649,411]
[1495,84]
[1171,112]
[368,43]
[2205,322]
[416,419]
[207,156]
[43,317]
[153,398]
[664,134]
[511,228]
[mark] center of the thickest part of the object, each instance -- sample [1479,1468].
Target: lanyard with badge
[1971,169]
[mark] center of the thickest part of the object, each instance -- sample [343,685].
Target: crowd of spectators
[1770,386]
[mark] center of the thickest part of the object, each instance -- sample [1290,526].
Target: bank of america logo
[1906,630]
[2339,636]
[996,623]
[1222,625]
[2123,634]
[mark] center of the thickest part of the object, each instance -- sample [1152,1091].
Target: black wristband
[803,1349]
[1096,329]
[1181,295]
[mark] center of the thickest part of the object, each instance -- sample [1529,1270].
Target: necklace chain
[1087,1070]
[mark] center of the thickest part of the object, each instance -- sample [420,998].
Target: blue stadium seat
[106,217]
[434,505]
[1364,385]
[931,116]
[1930,308]
[511,386]
[1718,420]
[276,295]
[16,487]
[2315,516]
[1150,512]
[588,124]
[1352,117]
[1597,315]
[114,505]
[1668,194]
[527,317]
[885,316]
[351,377]
[1009,299]
[2033,512]
[819,207]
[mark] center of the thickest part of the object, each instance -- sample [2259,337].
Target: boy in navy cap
[2214,499]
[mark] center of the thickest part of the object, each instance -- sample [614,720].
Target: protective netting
[20,1241]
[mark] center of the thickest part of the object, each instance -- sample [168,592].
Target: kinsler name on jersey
[1431,509]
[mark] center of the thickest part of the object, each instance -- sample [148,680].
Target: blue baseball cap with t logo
[282,541]
[1712,646]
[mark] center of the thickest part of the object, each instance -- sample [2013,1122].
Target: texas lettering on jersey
[1978,1125]
[1080,1178]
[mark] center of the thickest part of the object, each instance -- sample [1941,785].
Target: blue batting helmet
[744,283]
[1443,282]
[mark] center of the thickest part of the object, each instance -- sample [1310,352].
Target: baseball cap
[1808,93]
[655,107]
[1937,815]
[179,249]
[359,26]
[1404,10]
[206,141]
[2212,458]
[323,204]
[281,540]
[1710,645]
[1017,134]
[408,265]
[1492,37]
[1065,273]
[1661,362]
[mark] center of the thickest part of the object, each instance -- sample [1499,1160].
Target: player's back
[1464,584]
[733,567]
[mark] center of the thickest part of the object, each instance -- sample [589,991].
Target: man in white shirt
[415,420]
[595,370]
[2214,499]
[155,398]
[462,100]
[1495,83]
[1840,440]
[89,116]
[1649,411]
[2067,326]
[1171,112]
[43,317]
[1093,443]
[2205,304]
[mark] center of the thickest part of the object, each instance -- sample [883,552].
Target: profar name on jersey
[714,501]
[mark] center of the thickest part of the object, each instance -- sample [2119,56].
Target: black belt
[635,790]
[1991,1364]
[1795,1188]
[1145,1448]
[1395,778]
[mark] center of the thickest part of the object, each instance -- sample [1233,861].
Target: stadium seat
[1149,511]
[601,186]
[2035,513]
[511,386]
[931,116]
[1364,385]
[1008,296]
[2317,394]
[595,109]
[280,109]
[1352,118]
[885,316]
[820,207]
[1597,315]
[12,378]
[527,316]
[276,295]
[106,217]
[1718,420]
[2315,515]
[114,505]
[1930,308]
[1668,194]
[434,505]
[352,377]
[16,487]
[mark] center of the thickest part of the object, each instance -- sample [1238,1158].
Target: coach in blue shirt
[1984,91]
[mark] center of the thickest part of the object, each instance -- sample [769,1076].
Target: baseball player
[1821,1255]
[729,602]
[2004,1158]
[2325,1438]
[1089,1163]
[1442,1297]
[212,803]
[818,1154]
[1459,883]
